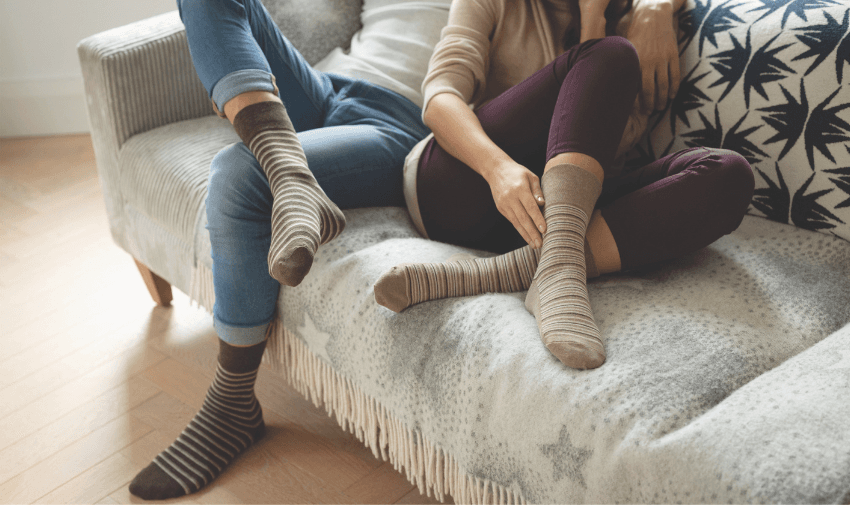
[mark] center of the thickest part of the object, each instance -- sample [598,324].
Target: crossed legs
[267,211]
[565,121]
[671,207]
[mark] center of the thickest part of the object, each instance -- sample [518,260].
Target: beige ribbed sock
[411,283]
[558,295]
[303,217]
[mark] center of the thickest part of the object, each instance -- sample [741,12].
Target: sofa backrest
[771,81]
[315,27]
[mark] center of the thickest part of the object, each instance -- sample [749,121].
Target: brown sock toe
[154,484]
[581,356]
[291,268]
[392,289]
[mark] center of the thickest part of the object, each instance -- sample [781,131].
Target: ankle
[580,160]
[571,185]
[239,102]
[240,359]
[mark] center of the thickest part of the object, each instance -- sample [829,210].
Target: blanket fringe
[429,467]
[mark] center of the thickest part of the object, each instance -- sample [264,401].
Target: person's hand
[635,128]
[592,19]
[651,32]
[516,191]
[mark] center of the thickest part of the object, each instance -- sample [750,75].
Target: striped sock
[408,284]
[229,422]
[412,283]
[558,296]
[303,217]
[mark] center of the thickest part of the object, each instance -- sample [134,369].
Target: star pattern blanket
[727,379]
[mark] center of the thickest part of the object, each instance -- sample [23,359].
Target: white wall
[41,86]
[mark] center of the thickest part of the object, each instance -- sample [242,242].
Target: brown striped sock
[303,217]
[558,296]
[412,283]
[229,422]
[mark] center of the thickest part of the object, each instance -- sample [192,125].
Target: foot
[461,275]
[578,350]
[303,217]
[558,295]
[229,422]
[392,289]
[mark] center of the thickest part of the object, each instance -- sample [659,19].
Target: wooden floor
[95,379]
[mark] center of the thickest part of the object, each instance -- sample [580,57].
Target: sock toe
[291,269]
[154,484]
[575,355]
[391,290]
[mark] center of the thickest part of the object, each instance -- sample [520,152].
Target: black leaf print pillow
[769,79]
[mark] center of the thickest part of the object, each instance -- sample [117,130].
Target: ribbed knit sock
[229,422]
[558,295]
[412,283]
[303,217]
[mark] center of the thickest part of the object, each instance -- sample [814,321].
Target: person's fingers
[540,201]
[674,75]
[535,219]
[536,190]
[526,216]
[661,90]
[511,215]
[533,235]
[648,90]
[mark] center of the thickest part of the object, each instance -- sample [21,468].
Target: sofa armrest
[137,77]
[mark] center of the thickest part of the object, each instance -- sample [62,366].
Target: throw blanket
[727,379]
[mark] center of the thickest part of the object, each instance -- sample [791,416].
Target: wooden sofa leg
[158,287]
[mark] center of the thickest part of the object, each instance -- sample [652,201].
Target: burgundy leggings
[580,103]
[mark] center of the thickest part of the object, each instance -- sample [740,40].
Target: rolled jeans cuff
[241,81]
[240,336]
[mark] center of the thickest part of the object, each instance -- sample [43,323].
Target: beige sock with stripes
[558,295]
[412,283]
[229,422]
[303,217]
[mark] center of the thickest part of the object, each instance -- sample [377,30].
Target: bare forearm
[592,19]
[652,30]
[516,190]
[459,132]
[665,6]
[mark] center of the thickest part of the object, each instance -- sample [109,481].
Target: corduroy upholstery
[139,78]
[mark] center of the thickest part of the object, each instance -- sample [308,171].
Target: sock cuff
[237,359]
[259,117]
[571,184]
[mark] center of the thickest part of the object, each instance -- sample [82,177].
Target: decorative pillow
[315,27]
[769,79]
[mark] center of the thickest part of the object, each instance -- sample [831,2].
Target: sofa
[728,370]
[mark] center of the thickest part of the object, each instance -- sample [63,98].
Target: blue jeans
[355,136]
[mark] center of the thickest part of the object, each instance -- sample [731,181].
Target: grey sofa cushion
[316,27]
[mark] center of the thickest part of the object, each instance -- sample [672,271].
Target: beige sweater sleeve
[460,61]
